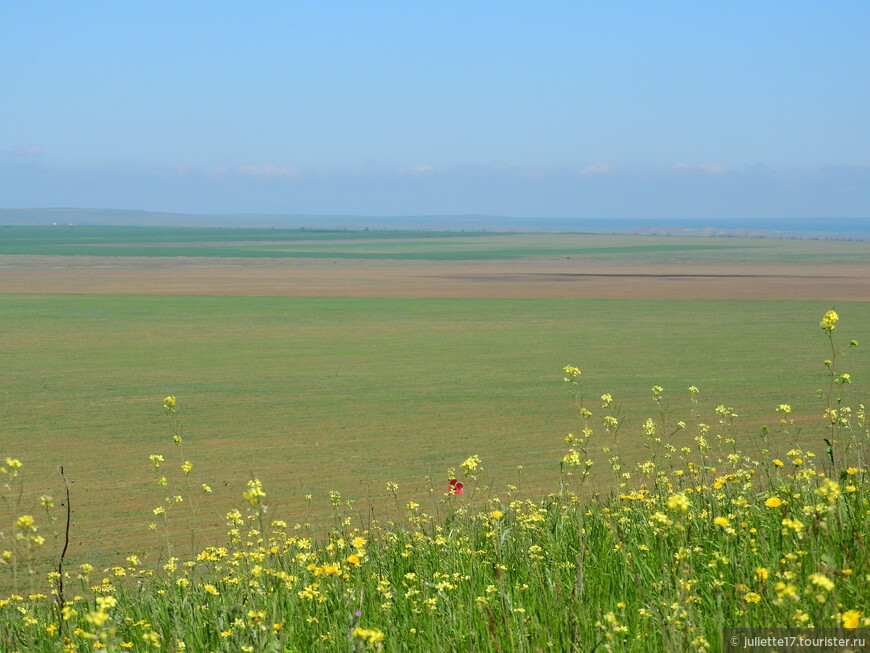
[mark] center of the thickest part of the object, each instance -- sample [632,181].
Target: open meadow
[318,362]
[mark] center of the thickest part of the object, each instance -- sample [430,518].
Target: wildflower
[358,542]
[169,402]
[762,573]
[470,464]
[721,521]
[186,467]
[773,502]
[777,462]
[370,637]
[678,502]
[496,514]
[792,524]
[829,321]
[255,492]
[822,581]
[572,373]
[784,408]
[455,487]
[751,597]
[850,619]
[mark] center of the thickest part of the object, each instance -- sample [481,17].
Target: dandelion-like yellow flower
[496,514]
[851,619]
[678,502]
[773,502]
[822,581]
[721,521]
[370,637]
[751,597]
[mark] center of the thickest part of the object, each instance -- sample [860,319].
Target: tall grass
[716,528]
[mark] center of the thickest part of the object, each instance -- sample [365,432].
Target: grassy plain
[315,394]
[411,245]
[390,355]
[441,347]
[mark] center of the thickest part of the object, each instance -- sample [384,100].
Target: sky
[574,109]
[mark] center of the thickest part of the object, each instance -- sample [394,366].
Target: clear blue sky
[557,109]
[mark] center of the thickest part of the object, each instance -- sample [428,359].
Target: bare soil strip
[515,279]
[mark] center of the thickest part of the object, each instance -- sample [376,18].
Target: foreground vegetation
[715,527]
[312,394]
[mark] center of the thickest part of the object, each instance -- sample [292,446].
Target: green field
[318,394]
[411,245]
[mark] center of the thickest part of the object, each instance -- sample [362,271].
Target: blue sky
[658,110]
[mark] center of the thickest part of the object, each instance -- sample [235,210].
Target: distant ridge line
[824,228]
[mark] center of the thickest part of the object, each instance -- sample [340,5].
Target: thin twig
[60,600]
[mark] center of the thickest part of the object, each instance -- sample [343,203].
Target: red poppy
[454,487]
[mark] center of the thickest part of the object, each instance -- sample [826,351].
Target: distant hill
[833,228]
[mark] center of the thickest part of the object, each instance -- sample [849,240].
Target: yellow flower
[353,559]
[762,573]
[254,493]
[471,463]
[751,597]
[169,402]
[721,521]
[794,524]
[678,502]
[829,321]
[496,514]
[372,636]
[851,619]
[773,502]
[822,581]
[777,462]
[572,372]
[358,542]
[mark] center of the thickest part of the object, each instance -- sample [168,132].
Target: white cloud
[217,171]
[709,168]
[530,174]
[26,151]
[421,169]
[596,168]
[269,170]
